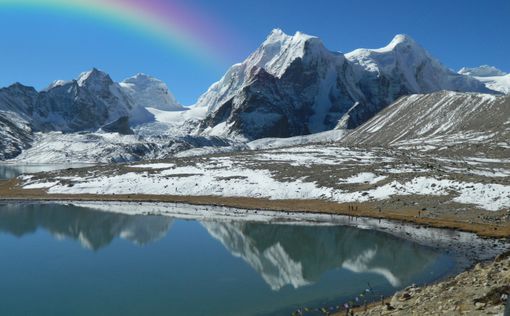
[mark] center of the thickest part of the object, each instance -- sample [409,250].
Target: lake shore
[469,221]
[483,289]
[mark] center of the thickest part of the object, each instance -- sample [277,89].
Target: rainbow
[180,27]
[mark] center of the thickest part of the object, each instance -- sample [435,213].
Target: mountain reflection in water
[300,255]
[282,255]
[93,229]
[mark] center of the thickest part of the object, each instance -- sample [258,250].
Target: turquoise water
[68,260]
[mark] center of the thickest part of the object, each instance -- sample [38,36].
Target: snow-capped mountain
[492,77]
[293,85]
[87,103]
[147,91]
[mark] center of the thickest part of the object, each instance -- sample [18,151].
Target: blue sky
[38,47]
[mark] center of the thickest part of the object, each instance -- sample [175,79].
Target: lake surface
[67,260]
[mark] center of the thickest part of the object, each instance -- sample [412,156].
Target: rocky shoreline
[482,290]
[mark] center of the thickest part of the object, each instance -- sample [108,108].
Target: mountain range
[293,85]
[290,86]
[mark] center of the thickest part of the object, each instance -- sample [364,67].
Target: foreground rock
[482,290]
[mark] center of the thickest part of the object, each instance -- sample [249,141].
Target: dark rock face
[69,108]
[120,126]
[15,135]
[268,106]
[19,99]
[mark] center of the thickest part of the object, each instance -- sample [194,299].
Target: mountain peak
[403,38]
[279,50]
[140,78]
[482,71]
[147,91]
[20,87]
[276,34]
[279,36]
[143,76]
[93,76]
[400,40]
[56,83]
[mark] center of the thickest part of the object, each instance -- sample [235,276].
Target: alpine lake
[67,259]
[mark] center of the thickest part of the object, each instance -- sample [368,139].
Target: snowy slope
[293,85]
[324,137]
[56,147]
[173,123]
[497,83]
[147,91]
[492,77]
[436,120]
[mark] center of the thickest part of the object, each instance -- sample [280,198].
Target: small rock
[389,307]
[502,256]
[404,297]
[480,305]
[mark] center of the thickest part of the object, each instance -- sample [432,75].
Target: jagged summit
[92,77]
[147,91]
[56,83]
[401,40]
[482,71]
[139,78]
[278,35]
[279,50]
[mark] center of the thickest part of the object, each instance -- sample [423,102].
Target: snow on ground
[316,172]
[154,166]
[328,136]
[323,155]
[178,116]
[497,83]
[364,177]
[194,181]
